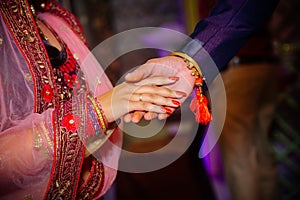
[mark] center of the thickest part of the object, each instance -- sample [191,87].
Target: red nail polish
[168,110]
[175,102]
[174,78]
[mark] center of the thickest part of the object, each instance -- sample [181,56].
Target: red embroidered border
[69,157]
[98,173]
[68,149]
[18,18]
[70,19]
[95,182]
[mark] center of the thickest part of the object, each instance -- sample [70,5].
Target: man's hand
[166,66]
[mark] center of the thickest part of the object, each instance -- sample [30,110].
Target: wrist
[98,128]
[199,104]
[191,64]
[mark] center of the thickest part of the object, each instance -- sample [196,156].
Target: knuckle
[142,105]
[149,106]
[152,97]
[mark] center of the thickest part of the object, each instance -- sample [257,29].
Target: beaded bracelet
[199,105]
[191,63]
[94,119]
[99,112]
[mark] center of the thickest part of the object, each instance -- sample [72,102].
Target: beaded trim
[199,105]
[18,17]
[100,114]
[95,182]
[94,118]
[69,18]
[191,63]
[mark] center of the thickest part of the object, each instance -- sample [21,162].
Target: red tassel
[199,106]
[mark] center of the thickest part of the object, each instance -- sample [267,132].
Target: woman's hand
[146,96]
[168,65]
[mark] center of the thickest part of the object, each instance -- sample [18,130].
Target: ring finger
[155,99]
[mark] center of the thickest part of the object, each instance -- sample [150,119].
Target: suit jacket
[218,37]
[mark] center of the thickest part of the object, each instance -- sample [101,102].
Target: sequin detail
[71,122]
[47,93]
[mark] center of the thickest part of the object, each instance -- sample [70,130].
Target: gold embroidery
[20,22]
[71,20]
[95,183]
[69,148]
[1,41]
[37,143]
[75,55]
[28,77]
[64,188]
[57,184]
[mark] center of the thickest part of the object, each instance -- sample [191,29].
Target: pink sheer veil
[99,83]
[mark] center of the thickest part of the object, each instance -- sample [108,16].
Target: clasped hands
[154,90]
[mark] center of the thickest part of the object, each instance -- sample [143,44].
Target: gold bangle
[101,117]
[199,104]
[192,64]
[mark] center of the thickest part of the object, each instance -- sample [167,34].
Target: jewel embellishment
[71,122]
[71,80]
[47,93]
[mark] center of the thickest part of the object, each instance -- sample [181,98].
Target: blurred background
[190,177]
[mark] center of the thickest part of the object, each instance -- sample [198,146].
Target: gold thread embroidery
[28,77]
[19,19]
[37,142]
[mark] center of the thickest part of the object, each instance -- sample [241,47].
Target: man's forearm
[227,29]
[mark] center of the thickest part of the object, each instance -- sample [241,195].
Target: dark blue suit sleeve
[227,29]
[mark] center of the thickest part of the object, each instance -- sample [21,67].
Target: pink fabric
[89,64]
[24,168]
[93,71]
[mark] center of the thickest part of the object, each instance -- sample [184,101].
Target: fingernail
[175,102]
[168,110]
[180,94]
[135,120]
[174,78]
[163,110]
